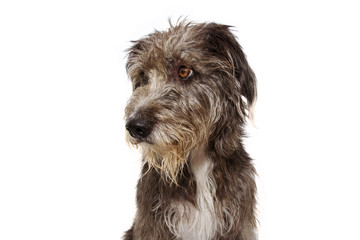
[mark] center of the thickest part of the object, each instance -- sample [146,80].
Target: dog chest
[200,222]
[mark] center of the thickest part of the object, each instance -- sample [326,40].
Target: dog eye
[142,80]
[137,85]
[143,77]
[185,73]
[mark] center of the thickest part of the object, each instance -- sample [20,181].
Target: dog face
[191,86]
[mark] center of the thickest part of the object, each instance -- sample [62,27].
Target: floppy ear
[133,52]
[134,64]
[224,44]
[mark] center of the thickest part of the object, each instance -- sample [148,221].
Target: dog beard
[169,149]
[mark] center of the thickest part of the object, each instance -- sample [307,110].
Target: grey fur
[178,121]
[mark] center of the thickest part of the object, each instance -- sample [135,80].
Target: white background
[65,170]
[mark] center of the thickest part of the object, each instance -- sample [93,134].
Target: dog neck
[200,165]
[200,221]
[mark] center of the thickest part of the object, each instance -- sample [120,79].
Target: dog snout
[139,128]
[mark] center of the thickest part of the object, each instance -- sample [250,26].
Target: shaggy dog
[193,91]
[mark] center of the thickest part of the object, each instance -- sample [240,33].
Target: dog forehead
[160,49]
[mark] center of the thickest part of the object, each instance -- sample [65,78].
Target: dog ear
[134,65]
[133,52]
[223,43]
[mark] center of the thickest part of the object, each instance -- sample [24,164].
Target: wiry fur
[187,221]
[197,181]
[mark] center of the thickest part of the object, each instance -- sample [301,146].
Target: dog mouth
[136,141]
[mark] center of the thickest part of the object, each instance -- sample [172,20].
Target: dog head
[192,88]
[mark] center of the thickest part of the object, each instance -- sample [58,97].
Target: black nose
[138,128]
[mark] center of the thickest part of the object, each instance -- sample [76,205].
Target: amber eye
[185,73]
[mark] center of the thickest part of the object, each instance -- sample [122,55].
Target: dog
[193,93]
